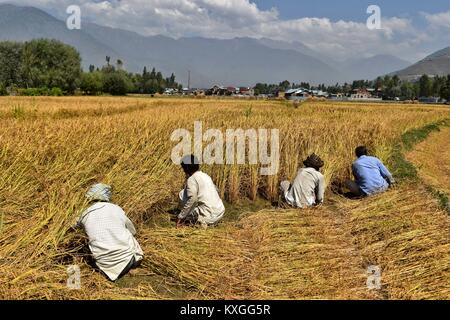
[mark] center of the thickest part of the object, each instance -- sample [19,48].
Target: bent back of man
[371,176]
[210,205]
[308,188]
[367,172]
[111,238]
[199,200]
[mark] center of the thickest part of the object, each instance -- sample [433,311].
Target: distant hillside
[437,63]
[352,69]
[296,46]
[371,68]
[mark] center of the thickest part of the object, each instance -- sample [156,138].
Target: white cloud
[238,18]
[439,20]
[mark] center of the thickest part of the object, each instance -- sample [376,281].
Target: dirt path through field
[432,159]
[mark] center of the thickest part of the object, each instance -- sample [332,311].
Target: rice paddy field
[434,170]
[53,149]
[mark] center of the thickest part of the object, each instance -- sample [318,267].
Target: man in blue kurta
[371,175]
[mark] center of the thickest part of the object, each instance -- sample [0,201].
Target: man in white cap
[111,234]
[200,201]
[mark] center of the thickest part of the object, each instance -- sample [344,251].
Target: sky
[409,29]
[352,9]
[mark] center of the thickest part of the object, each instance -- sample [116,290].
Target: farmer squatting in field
[111,234]
[308,188]
[371,176]
[200,200]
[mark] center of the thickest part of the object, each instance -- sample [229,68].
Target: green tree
[10,62]
[445,89]
[285,85]
[305,85]
[171,82]
[50,63]
[261,88]
[438,84]
[150,86]
[378,83]
[426,86]
[3,91]
[116,83]
[145,75]
[153,74]
[92,83]
[395,81]
[407,91]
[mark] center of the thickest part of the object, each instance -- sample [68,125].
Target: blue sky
[352,9]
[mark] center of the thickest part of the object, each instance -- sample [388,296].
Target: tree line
[390,87]
[50,67]
[426,86]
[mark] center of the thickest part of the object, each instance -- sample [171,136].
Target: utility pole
[189,79]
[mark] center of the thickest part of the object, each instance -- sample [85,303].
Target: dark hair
[314,161]
[190,164]
[361,151]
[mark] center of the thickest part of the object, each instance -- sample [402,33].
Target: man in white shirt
[308,188]
[200,201]
[111,234]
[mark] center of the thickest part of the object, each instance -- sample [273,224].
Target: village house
[246,91]
[318,93]
[193,92]
[364,95]
[303,94]
[336,96]
[170,92]
[361,94]
[297,94]
[230,91]
[217,90]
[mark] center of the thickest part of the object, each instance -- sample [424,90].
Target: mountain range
[437,63]
[239,61]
